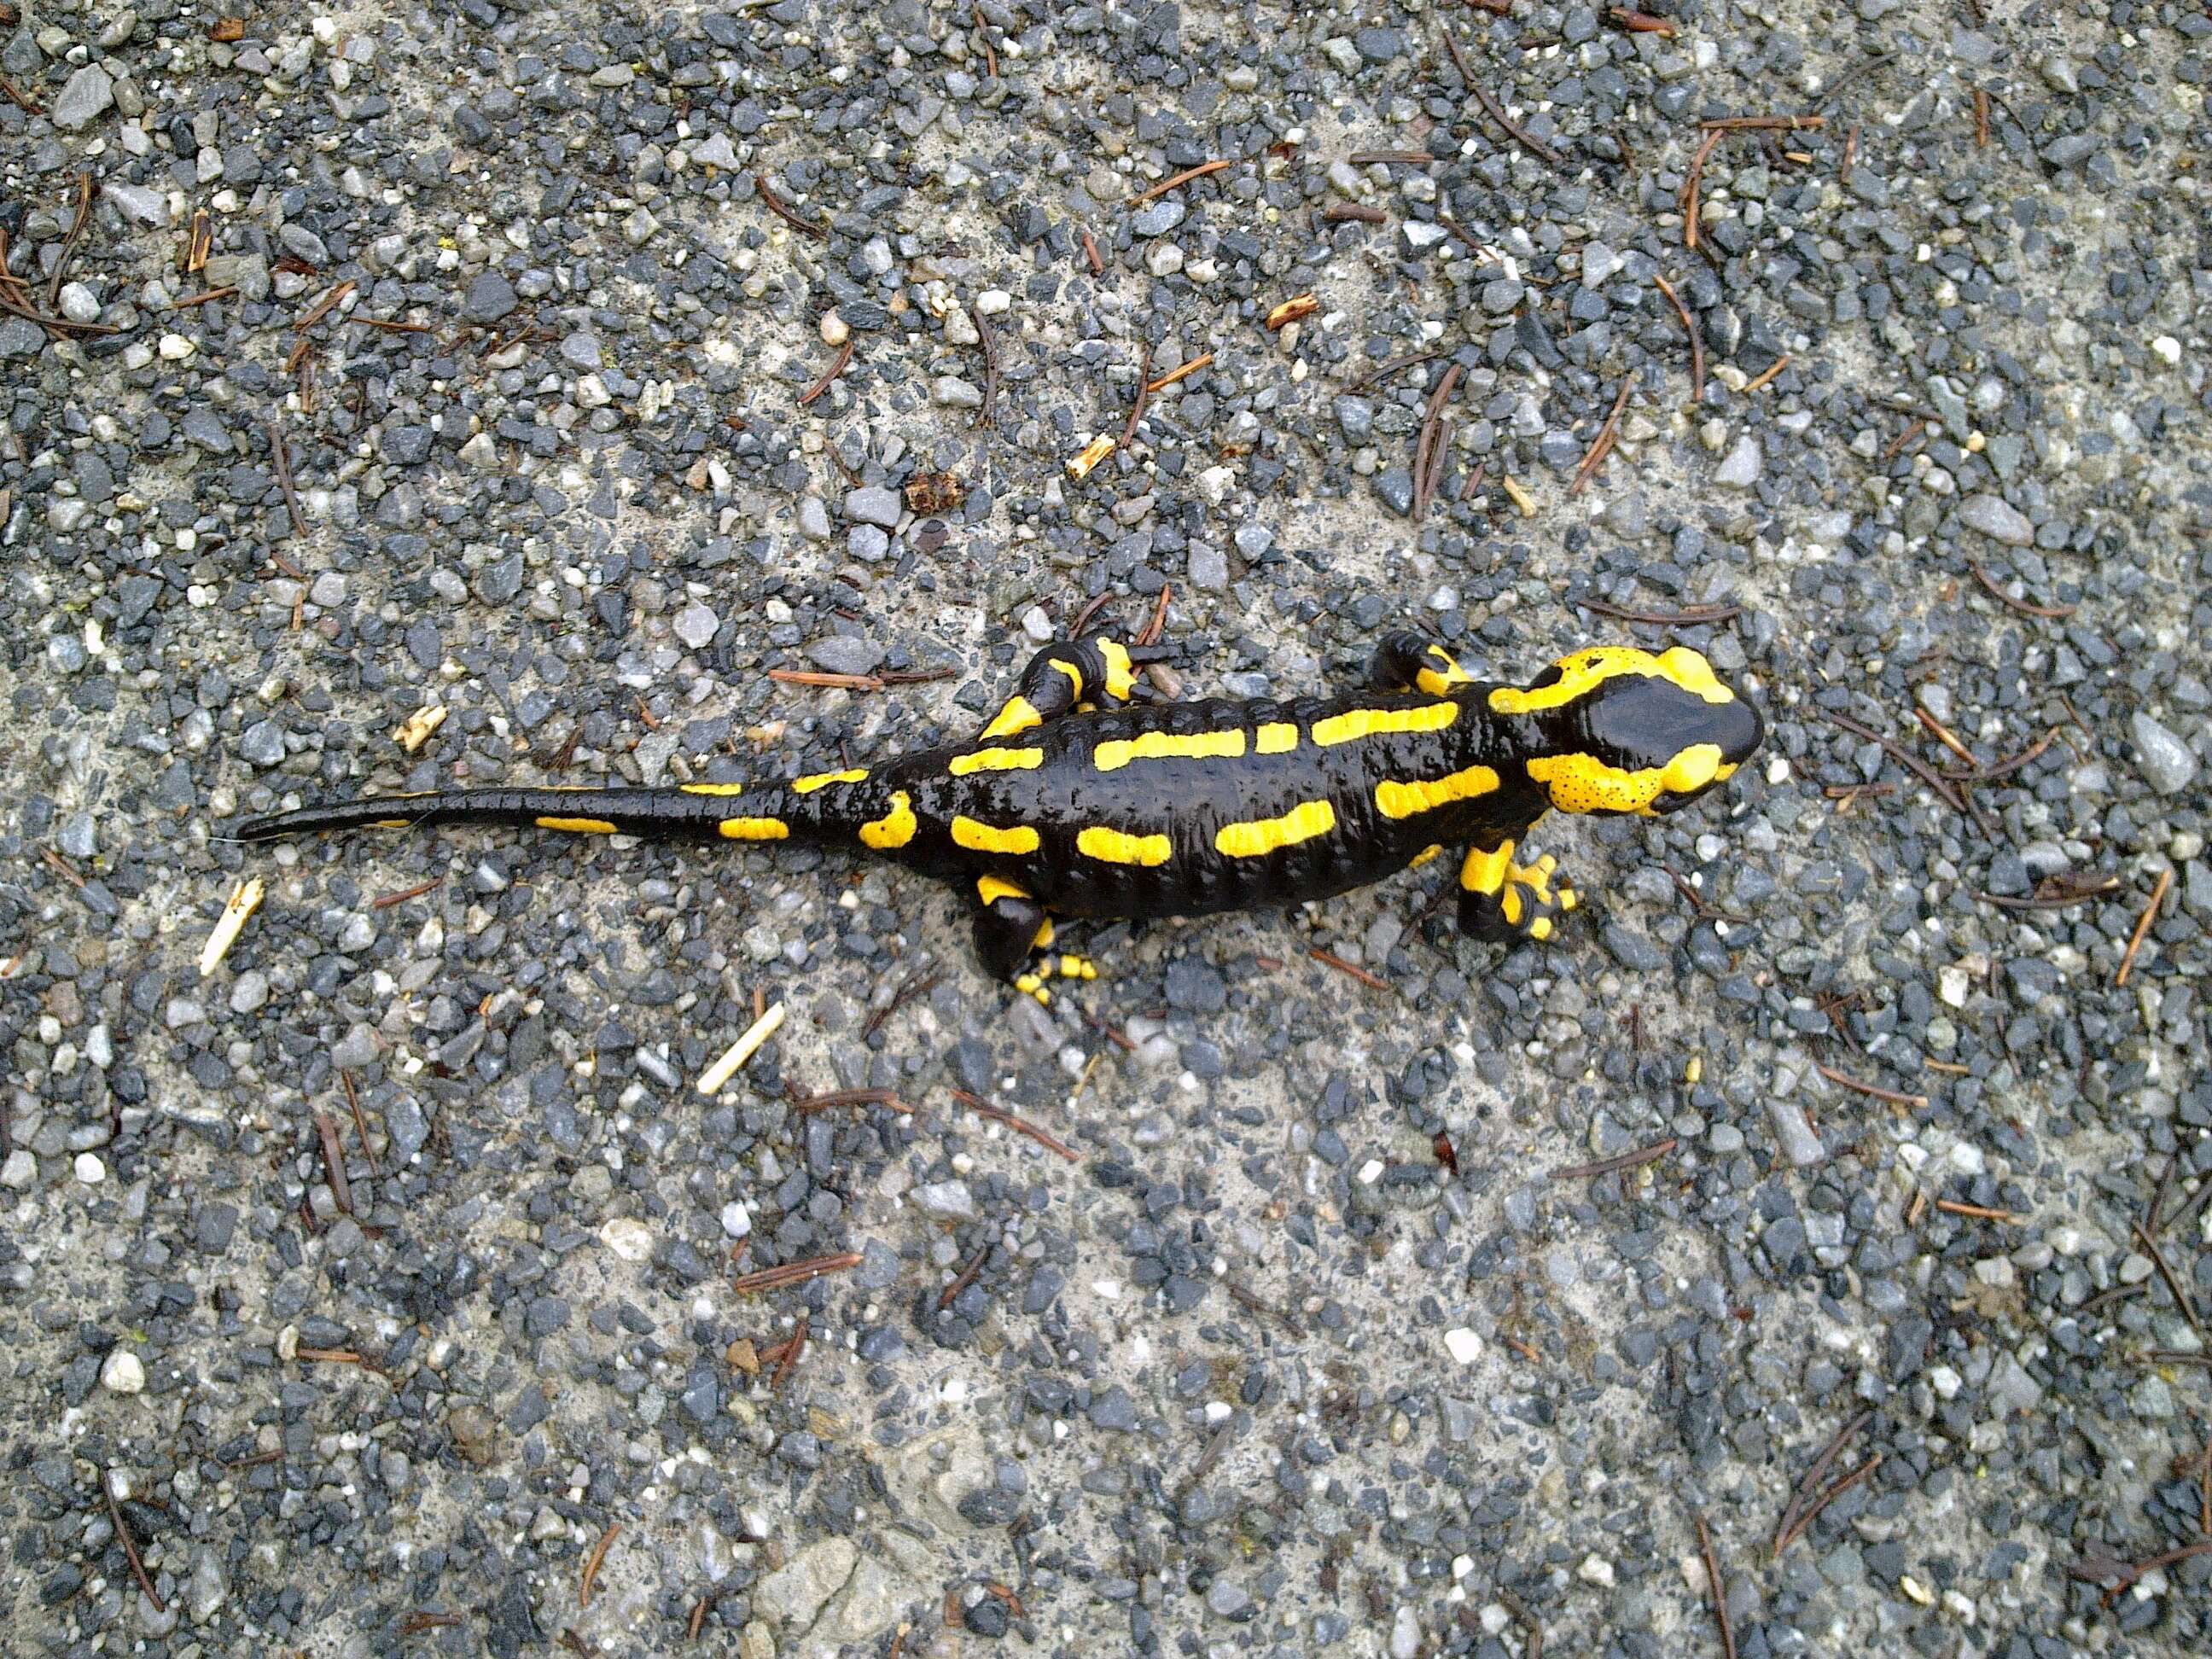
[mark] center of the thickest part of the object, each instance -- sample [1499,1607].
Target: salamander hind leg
[1014,937]
[1500,899]
[1064,676]
[1409,661]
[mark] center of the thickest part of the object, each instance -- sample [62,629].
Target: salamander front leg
[1011,928]
[1500,900]
[1410,661]
[1064,676]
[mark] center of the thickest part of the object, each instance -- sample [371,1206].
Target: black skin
[1634,721]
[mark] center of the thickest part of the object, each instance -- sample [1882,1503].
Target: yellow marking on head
[1379,722]
[1486,872]
[1121,673]
[1584,672]
[992,889]
[979,837]
[1439,673]
[1403,801]
[1260,836]
[892,830]
[1275,737]
[1583,783]
[753,828]
[1423,857]
[712,788]
[807,786]
[1117,847]
[1074,677]
[579,826]
[995,760]
[1018,715]
[1165,745]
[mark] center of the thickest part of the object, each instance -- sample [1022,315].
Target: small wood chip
[1522,498]
[711,1082]
[245,899]
[1093,453]
[1290,310]
[414,730]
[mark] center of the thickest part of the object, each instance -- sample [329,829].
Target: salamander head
[1614,729]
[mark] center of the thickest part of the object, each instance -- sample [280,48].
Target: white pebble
[89,1169]
[628,1237]
[1596,1570]
[1463,1344]
[123,1374]
[2167,350]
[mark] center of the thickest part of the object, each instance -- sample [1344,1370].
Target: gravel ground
[456,358]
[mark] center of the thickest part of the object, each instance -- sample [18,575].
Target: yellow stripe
[1402,800]
[713,788]
[995,760]
[1163,746]
[892,830]
[1018,715]
[1379,722]
[580,826]
[1118,846]
[1486,872]
[807,786]
[1583,783]
[754,828]
[992,889]
[1263,835]
[1074,677]
[1276,738]
[979,837]
[1585,670]
[1424,856]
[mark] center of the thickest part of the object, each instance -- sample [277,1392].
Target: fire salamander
[1076,800]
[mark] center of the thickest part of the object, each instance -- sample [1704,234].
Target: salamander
[1080,799]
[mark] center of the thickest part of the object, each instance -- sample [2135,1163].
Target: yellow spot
[1567,899]
[992,889]
[1074,677]
[1030,985]
[1583,783]
[894,829]
[1018,715]
[1509,901]
[1424,856]
[1116,846]
[1403,801]
[580,826]
[1379,722]
[713,788]
[754,828]
[807,786]
[1486,872]
[1540,928]
[1439,674]
[1261,836]
[1076,968]
[1121,673]
[1163,746]
[995,760]
[1276,738]
[979,837]
[1042,939]
[1585,670]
